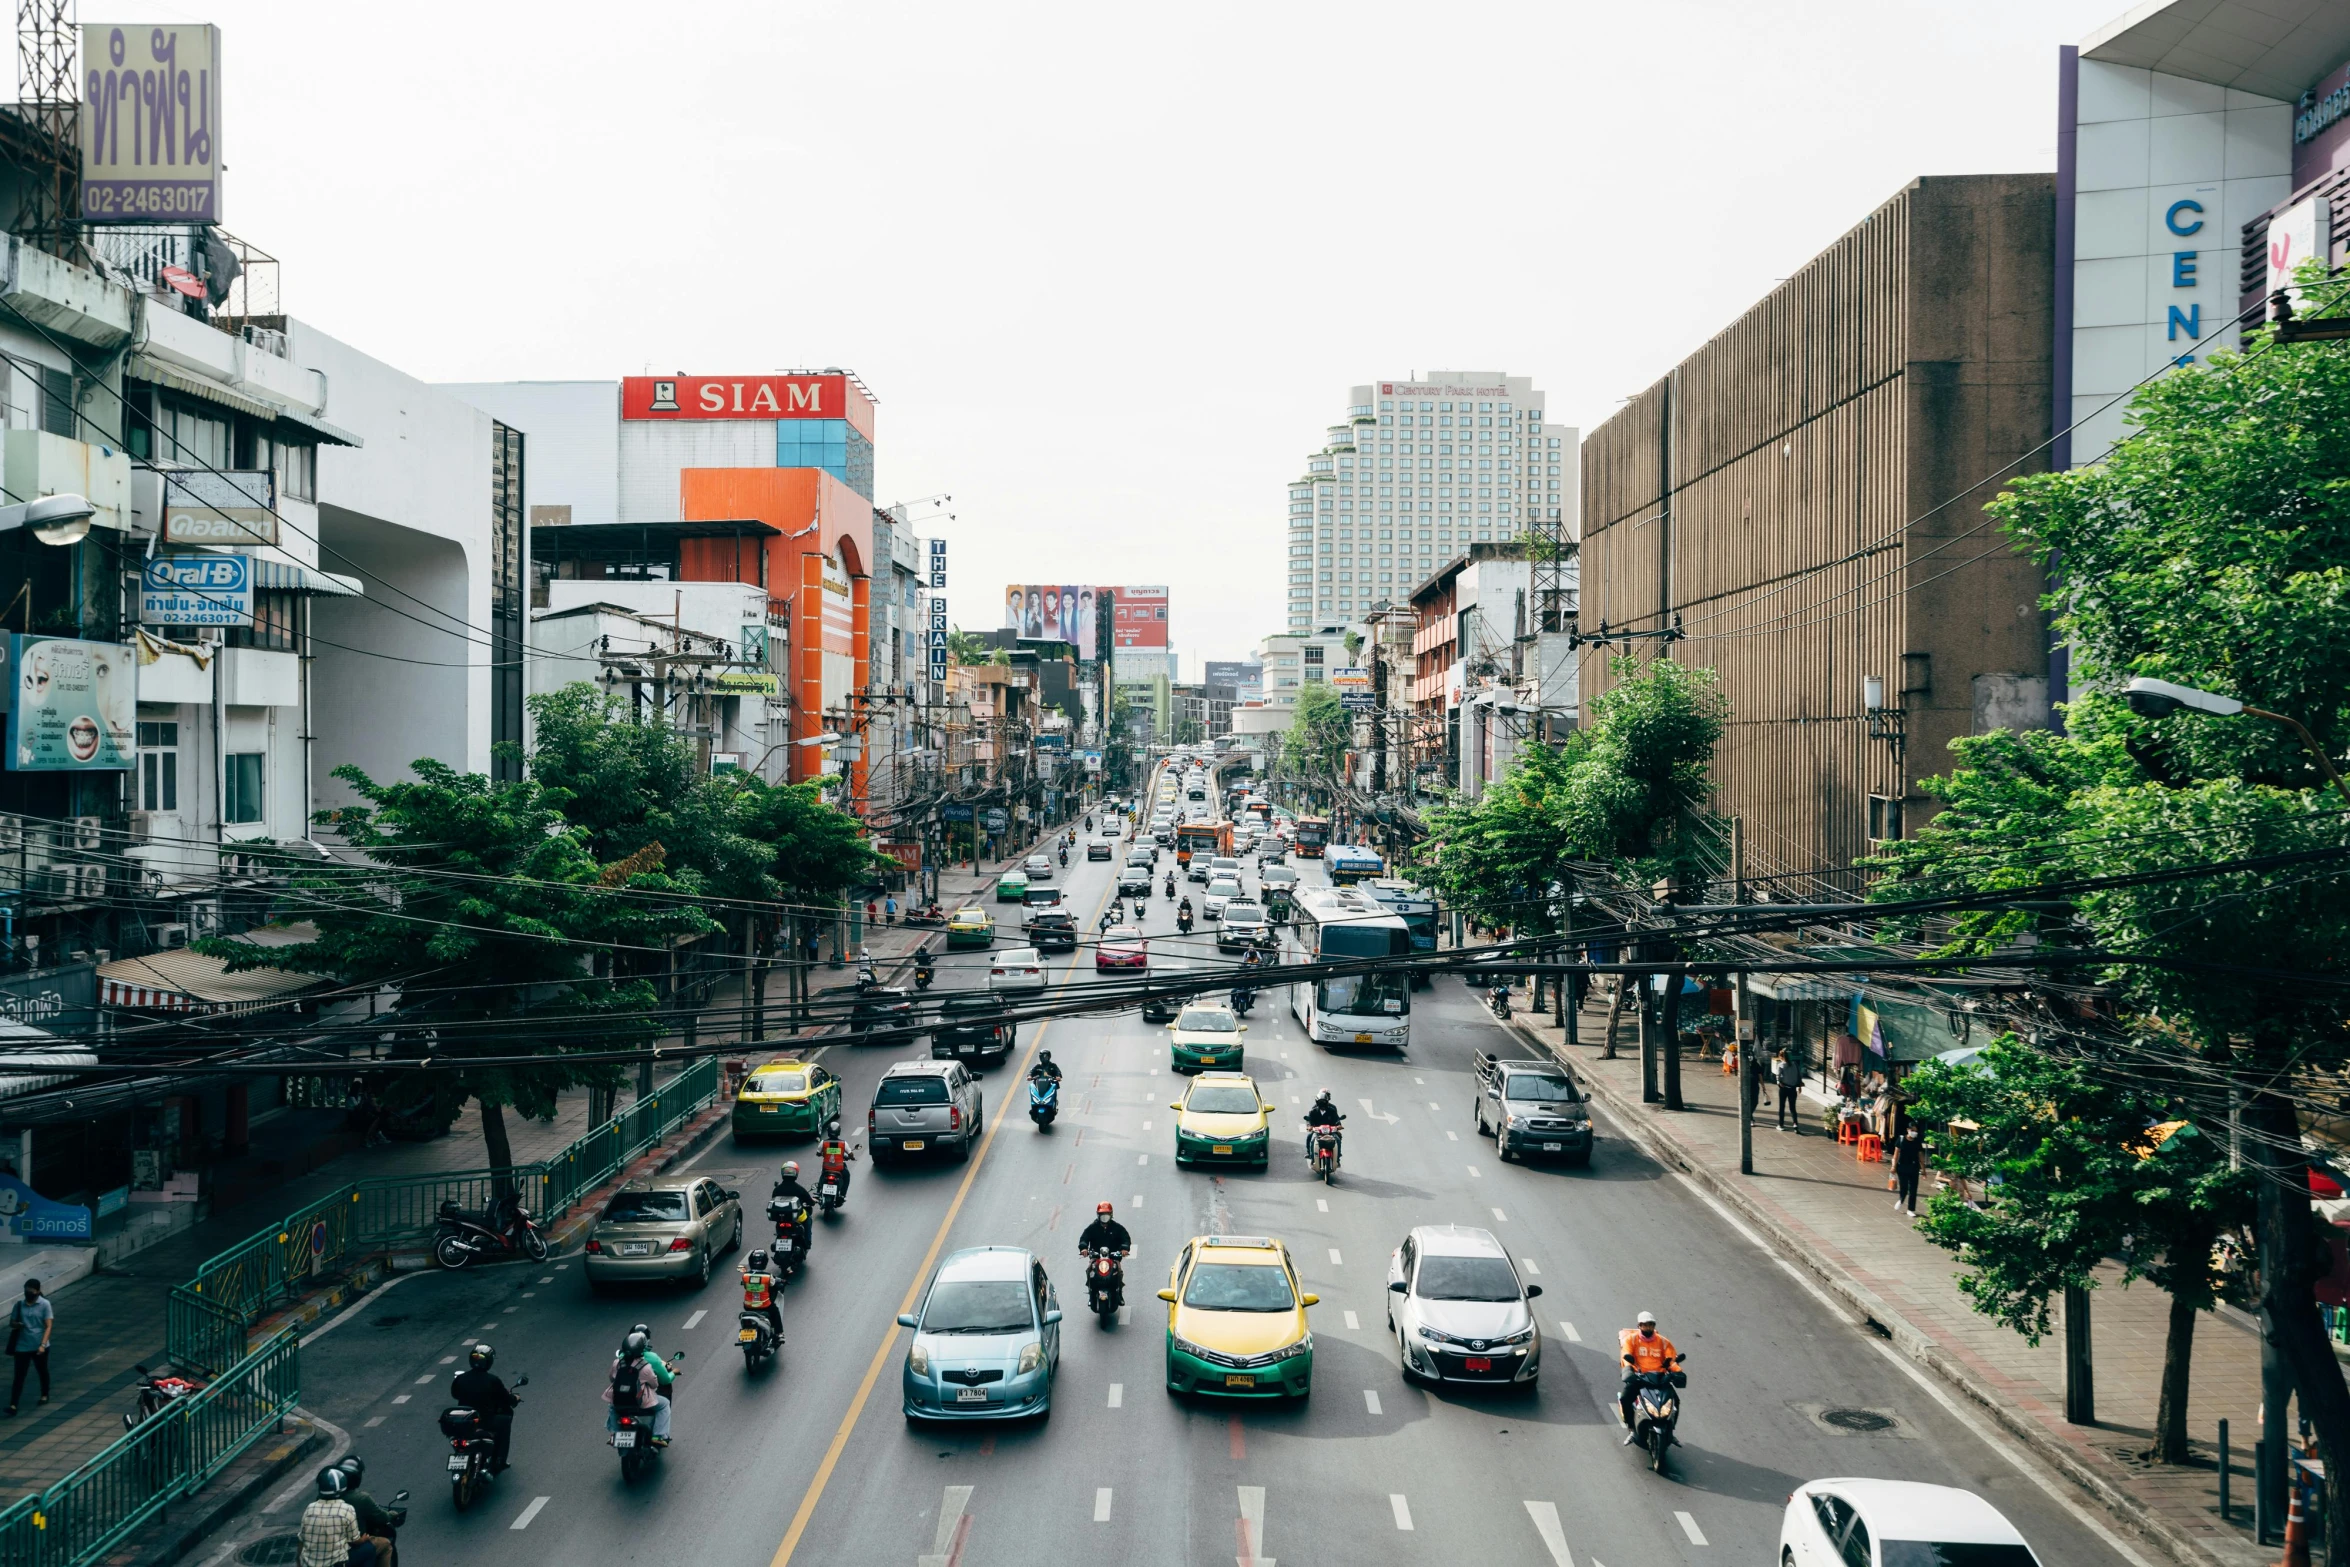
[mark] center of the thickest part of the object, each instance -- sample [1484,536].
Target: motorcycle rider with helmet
[374,1521]
[1644,1349]
[1322,1112]
[789,1189]
[834,1156]
[330,1532]
[762,1291]
[1105,1233]
[1044,1066]
[478,1389]
[637,1369]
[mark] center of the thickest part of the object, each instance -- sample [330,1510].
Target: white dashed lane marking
[1321,1205]
[373,1421]
[695,1320]
[1352,1326]
[1475,1174]
[1500,1217]
[427,1377]
[404,1397]
[1531,1265]
[1101,1505]
[1371,1400]
[1451,1136]
[1403,1510]
[1568,1328]
[1117,1394]
[1689,1528]
[1336,1261]
[530,1512]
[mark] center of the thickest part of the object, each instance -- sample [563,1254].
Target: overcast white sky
[1109,268]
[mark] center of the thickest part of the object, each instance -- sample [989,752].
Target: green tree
[2208,549]
[495,915]
[1320,729]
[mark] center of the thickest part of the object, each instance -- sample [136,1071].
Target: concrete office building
[1421,468]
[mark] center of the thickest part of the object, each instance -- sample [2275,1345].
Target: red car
[1122,946]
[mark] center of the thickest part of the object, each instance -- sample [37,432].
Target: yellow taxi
[1205,1037]
[786,1099]
[1236,1320]
[971,927]
[1222,1118]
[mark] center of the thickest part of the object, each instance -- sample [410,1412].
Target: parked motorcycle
[1656,1409]
[1105,1284]
[1044,1100]
[1322,1153]
[473,1451]
[792,1234]
[462,1237]
[155,1392]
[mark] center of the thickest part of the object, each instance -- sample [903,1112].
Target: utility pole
[1742,1030]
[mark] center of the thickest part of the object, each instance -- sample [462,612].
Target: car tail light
[954,1118]
[595,1247]
[870,1122]
[681,1244]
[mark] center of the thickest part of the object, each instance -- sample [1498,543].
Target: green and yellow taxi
[1012,887]
[971,928]
[1236,1320]
[1205,1038]
[1221,1119]
[786,1099]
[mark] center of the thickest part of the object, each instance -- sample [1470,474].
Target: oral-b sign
[197,590]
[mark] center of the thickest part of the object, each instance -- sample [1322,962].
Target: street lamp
[54,519]
[2150,698]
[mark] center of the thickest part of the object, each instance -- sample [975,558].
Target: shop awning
[286,577]
[148,368]
[188,981]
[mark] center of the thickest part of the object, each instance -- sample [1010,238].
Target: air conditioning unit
[11,834]
[89,835]
[92,887]
[174,935]
[204,918]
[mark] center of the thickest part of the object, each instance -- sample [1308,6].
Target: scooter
[1044,1100]
[462,1236]
[924,972]
[1322,1153]
[1242,1000]
[756,1334]
[1105,1284]
[1656,1409]
[1170,886]
[155,1392]
[831,1191]
[1500,1001]
[473,1451]
[1183,920]
[791,1234]
[1064,856]
[633,1439]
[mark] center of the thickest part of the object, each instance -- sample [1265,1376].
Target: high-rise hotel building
[1417,472]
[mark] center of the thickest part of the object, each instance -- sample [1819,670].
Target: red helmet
[1101,1207]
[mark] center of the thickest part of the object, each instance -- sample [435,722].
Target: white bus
[1334,924]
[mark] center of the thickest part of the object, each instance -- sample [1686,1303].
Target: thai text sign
[150,123]
[196,590]
[740,682]
[72,705]
[202,507]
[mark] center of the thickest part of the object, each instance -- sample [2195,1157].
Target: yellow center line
[889,1339]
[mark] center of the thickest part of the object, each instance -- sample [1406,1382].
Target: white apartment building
[1421,468]
[1296,659]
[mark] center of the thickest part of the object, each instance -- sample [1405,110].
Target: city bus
[1329,925]
[1313,832]
[1208,838]
[1415,906]
[1350,863]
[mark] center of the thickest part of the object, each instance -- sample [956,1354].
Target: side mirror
[1309,1300]
[1533,1291]
[1399,1287]
[399,1497]
[1174,1104]
[1052,1316]
[906,1319]
[734,1196]
[523,1380]
[1244,1028]
[1167,1295]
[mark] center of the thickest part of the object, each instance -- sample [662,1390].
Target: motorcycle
[1170,886]
[831,1192]
[791,1234]
[1105,1284]
[633,1437]
[462,1236]
[928,914]
[924,972]
[473,1451]
[756,1334]
[1064,856]
[1322,1153]
[1183,920]
[1242,1000]
[1656,1409]
[1044,1100]
[1500,1002]
[155,1392]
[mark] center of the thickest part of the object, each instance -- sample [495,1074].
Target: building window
[273,624]
[297,472]
[188,439]
[241,798]
[159,766]
[1884,817]
[57,402]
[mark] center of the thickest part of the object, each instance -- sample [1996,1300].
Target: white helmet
[1646,1319]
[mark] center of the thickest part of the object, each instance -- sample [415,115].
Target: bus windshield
[1358,995]
[1312,832]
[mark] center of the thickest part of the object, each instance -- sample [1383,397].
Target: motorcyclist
[478,1389]
[374,1521]
[1244,994]
[865,974]
[1045,1066]
[639,1374]
[1064,856]
[1322,1112]
[1183,912]
[1105,1233]
[924,963]
[1170,884]
[762,1291]
[789,1190]
[1644,1349]
[330,1528]
[835,1156]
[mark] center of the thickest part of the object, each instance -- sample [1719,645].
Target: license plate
[624,1440]
[457,1462]
[913,1145]
[747,1336]
[771,1109]
[636,1248]
[1221,1148]
[831,1190]
[1552,1147]
[1362,1039]
[783,1243]
[1479,1363]
[1236,1379]
[971,1395]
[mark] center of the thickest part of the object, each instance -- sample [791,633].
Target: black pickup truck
[1532,1108]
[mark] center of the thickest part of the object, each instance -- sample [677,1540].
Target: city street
[811,1455]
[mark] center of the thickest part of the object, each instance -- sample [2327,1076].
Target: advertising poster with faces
[73,705]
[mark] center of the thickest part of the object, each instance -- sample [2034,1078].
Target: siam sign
[734,397]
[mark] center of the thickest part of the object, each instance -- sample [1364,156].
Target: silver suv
[923,1107]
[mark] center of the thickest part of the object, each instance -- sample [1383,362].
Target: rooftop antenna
[49,102]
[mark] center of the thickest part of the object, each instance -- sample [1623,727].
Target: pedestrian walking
[890,908]
[1789,1077]
[30,1321]
[1909,1161]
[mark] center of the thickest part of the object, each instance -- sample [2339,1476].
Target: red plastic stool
[1871,1149]
[1847,1131]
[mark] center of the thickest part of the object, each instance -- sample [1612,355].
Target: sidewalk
[1835,1215]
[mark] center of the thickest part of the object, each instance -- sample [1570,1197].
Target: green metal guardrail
[79,1518]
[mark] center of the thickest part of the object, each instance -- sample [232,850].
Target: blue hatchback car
[986,1341]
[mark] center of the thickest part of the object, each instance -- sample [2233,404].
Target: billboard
[73,706]
[1245,677]
[1140,618]
[150,123]
[196,590]
[1053,612]
[201,507]
[734,397]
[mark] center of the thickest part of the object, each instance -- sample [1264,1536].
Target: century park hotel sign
[937,637]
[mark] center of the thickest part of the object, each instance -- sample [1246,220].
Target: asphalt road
[808,1460]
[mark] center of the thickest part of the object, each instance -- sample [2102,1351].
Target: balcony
[1321,465]
[234,284]
[1342,438]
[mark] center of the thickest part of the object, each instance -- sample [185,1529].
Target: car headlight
[1031,1356]
[1304,1346]
[918,1359]
[1525,1336]
[1196,1351]
[1433,1336]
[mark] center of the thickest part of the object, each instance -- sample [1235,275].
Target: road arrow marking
[1374,1115]
[1554,1539]
[1252,1527]
[953,1527]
